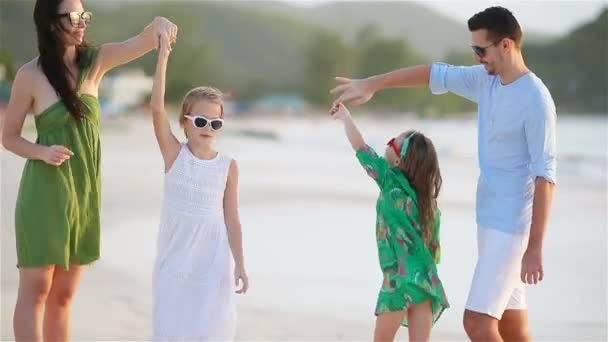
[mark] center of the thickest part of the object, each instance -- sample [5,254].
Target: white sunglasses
[200,121]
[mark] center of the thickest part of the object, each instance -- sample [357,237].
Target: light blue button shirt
[516,140]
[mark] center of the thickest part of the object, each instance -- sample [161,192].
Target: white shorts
[497,284]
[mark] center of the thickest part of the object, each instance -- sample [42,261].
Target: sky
[541,16]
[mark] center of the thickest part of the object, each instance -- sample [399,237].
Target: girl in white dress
[200,227]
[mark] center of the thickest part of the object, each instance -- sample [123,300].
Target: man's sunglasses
[200,121]
[481,51]
[77,18]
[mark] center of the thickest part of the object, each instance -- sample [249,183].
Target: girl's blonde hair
[210,94]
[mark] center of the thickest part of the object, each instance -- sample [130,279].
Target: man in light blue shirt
[517,163]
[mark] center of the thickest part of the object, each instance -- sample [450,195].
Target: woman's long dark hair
[52,49]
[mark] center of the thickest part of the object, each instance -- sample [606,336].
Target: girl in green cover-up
[407,230]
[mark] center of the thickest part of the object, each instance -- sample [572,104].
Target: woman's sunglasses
[200,121]
[77,18]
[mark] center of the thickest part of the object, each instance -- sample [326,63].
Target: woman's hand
[56,155]
[162,26]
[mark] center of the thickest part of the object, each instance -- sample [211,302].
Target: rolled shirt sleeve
[465,81]
[540,135]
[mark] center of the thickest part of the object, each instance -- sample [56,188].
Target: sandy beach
[307,210]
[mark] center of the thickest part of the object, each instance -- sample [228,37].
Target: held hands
[240,276]
[164,48]
[56,155]
[163,27]
[355,91]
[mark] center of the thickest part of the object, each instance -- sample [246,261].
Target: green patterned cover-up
[408,265]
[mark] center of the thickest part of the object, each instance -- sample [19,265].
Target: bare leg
[57,313]
[34,287]
[387,325]
[513,326]
[481,327]
[420,322]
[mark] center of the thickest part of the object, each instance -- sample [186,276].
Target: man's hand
[356,92]
[532,266]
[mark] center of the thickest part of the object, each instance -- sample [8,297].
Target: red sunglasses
[392,144]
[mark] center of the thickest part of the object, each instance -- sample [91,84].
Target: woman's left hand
[163,25]
[241,276]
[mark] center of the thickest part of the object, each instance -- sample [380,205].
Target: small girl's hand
[240,274]
[339,111]
[164,48]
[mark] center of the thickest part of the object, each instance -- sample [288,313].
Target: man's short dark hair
[499,22]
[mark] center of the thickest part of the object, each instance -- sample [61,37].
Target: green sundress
[57,219]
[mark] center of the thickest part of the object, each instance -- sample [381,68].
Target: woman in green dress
[407,230]
[57,225]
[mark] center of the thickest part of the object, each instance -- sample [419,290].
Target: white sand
[307,210]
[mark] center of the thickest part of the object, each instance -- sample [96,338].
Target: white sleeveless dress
[193,273]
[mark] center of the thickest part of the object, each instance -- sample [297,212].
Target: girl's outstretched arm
[168,143]
[340,112]
[375,166]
